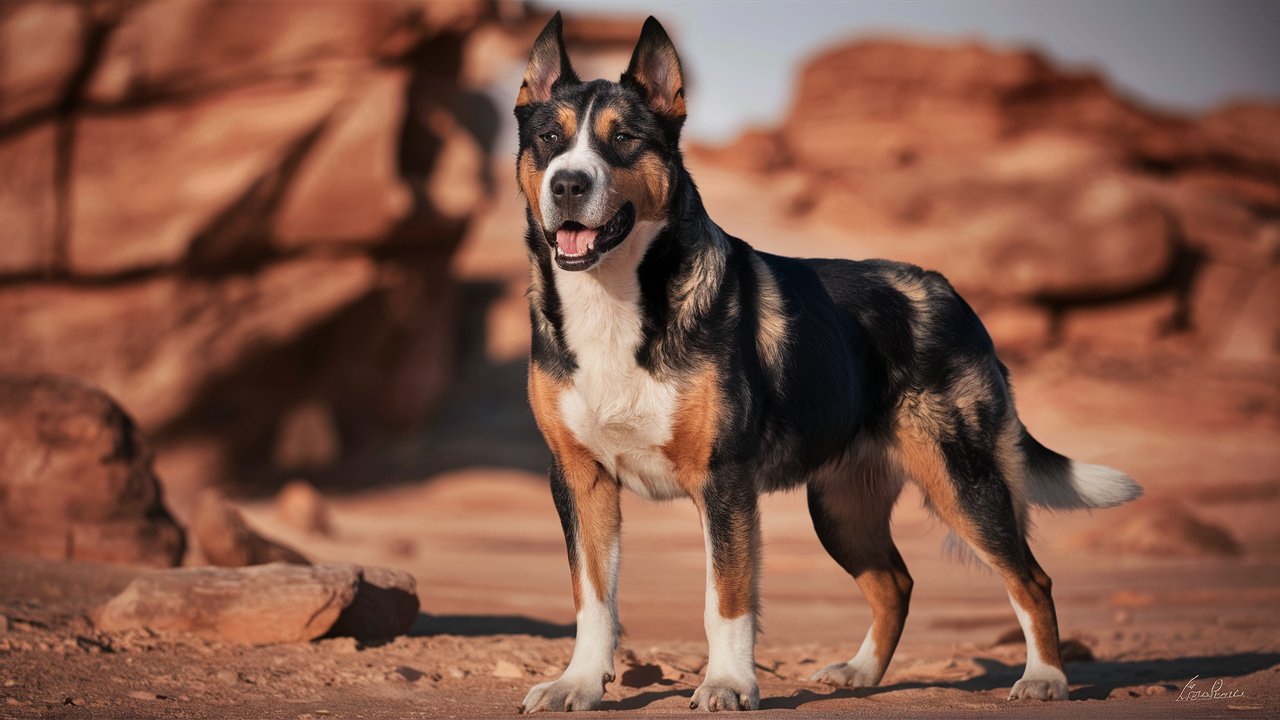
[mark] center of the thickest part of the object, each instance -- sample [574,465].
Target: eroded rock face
[1038,190]
[220,211]
[75,477]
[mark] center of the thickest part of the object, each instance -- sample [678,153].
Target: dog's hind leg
[973,480]
[851,508]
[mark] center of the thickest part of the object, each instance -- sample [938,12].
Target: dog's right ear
[548,65]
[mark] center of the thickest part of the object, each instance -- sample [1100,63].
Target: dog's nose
[569,186]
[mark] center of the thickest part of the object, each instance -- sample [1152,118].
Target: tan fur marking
[693,432]
[1033,596]
[606,118]
[921,458]
[646,184]
[568,121]
[886,592]
[531,184]
[524,97]
[771,336]
[736,580]
[595,494]
[693,435]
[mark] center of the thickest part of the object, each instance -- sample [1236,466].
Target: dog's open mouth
[578,247]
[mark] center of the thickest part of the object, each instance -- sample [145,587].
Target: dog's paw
[564,695]
[716,695]
[847,675]
[1039,688]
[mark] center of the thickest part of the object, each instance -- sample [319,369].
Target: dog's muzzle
[578,247]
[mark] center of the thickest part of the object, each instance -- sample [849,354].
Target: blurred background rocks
[286,238]
[237,216]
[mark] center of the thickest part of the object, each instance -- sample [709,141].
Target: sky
[742,56]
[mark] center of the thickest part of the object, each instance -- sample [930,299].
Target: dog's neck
[668,272]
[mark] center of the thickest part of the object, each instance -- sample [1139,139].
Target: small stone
[1156,690]
[1010,636]
[226,540]
[1074,650]
[408,674]
[506,669]
[641,675]
[142,695]
[300,506]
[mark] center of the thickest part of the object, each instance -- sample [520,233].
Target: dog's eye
[622,138]
[549,137]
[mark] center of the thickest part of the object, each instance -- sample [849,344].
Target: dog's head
[598,157]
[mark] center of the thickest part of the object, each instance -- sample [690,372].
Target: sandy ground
[467,511]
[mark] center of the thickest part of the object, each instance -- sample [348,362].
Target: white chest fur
[614,408]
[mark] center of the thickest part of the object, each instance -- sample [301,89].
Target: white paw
[723,694]
[847,675]
[1044,686]
[565,695]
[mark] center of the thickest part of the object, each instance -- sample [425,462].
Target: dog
[671,359]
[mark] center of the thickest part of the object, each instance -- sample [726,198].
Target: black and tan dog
[676,361]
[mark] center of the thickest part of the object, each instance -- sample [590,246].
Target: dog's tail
[1060,483]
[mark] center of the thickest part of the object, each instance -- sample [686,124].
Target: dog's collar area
[577,247]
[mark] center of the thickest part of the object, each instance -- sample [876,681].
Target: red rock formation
[221,211]
[1039,190]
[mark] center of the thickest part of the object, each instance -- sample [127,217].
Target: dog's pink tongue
[575,242]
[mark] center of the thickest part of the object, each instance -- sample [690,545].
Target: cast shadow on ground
[485,625]
[1090,681]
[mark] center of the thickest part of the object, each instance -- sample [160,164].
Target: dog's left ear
[656,69]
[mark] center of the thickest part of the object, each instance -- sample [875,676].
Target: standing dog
[674,360]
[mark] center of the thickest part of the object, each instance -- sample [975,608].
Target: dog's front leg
[587,499]
[731,528]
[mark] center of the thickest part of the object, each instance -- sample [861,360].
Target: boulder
[226,540]
[75,477]
[258,605]
[266,604]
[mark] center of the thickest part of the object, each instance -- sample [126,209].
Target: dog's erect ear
[548,65]
[656,69]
